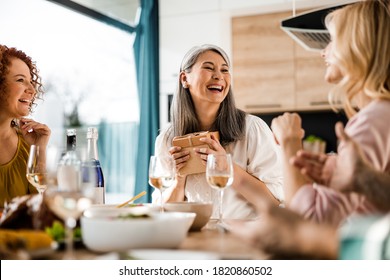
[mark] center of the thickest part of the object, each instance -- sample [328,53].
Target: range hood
[308,29]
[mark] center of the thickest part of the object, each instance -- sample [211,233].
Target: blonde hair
[361,49]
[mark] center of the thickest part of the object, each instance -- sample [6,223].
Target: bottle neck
[71,142]
[92,149]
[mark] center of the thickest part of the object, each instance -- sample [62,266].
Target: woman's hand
[287,126]
[350,163]
[180,157]
[215,147]
[276,231]
[318,167]
[285,234]
[35,133]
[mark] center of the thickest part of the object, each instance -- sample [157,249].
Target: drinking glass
[53,155]
[162,174]
[73,194]
[219,174]
[36,169]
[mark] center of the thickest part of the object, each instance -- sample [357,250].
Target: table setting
[69,224]
[133,231]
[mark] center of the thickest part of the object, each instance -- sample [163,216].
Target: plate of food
[25,244]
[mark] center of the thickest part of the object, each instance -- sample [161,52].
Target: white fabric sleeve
[264,157]
[161,148]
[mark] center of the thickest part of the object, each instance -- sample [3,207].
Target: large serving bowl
[159,230]
[111,210]
[202,210]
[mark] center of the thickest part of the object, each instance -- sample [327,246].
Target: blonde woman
[358,62]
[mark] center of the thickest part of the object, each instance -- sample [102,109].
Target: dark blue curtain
[146,52]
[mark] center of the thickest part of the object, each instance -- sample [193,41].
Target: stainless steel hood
[308,29]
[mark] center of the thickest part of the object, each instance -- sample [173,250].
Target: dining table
[216,241]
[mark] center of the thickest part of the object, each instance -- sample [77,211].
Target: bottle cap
[92,133]
[71,131]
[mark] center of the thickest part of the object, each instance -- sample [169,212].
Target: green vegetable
[313,138]
[77,233]
[134,205]
[57,231]
[133,216]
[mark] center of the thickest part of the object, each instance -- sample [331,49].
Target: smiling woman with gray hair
[204,101]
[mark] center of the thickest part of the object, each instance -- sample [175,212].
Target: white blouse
[257,153]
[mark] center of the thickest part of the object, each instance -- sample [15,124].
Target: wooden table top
[217,241]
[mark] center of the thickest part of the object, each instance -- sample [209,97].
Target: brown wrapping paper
[188,142]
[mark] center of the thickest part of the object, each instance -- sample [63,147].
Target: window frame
[97,15]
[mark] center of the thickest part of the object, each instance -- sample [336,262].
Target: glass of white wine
[74,193]
[219,174]
[36,169]
[162,174]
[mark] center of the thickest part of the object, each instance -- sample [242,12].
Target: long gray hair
[230,121]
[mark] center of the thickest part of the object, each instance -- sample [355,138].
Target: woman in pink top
[358,62]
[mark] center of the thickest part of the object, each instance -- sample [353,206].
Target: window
[88,71]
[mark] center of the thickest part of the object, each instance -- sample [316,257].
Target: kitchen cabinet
[271,72]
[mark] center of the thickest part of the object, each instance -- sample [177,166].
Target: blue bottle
[93,157]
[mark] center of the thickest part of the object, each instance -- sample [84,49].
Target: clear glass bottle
[68,173]
[93,157]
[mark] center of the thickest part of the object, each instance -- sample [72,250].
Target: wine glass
[162,174]
[219,174]
[74,193]
[36,169]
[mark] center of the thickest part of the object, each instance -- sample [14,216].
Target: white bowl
[110,210]
[160,230]
[202,210]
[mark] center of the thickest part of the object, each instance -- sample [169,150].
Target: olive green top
[13,181]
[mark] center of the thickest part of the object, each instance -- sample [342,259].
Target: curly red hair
[6,55]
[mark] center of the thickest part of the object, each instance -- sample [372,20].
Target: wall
[185,23]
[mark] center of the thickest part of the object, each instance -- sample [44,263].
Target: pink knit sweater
[370,128]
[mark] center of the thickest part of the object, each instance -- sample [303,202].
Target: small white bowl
[160,230]
[202,210]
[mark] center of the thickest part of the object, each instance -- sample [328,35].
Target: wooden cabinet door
[263,60]
[311,91]
[272,73]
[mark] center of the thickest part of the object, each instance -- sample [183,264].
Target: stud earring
[185,85]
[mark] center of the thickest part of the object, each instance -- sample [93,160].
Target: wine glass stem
[161,201]
[220,205]
[70,224]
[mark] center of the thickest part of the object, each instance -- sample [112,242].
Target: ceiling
[122,10]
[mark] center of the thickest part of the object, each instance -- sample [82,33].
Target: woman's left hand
[215,147]
[35,133]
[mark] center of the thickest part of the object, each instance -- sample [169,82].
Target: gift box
[188,142]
